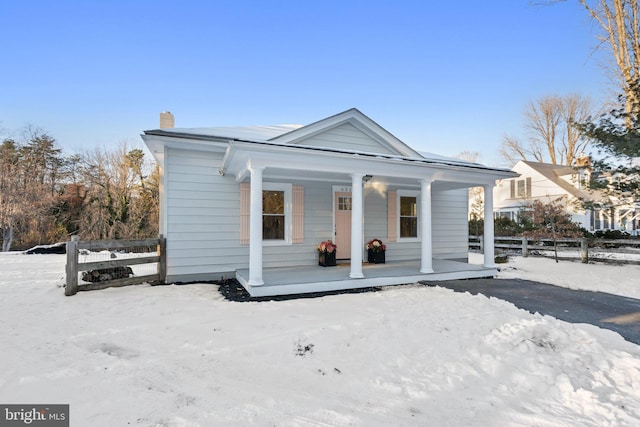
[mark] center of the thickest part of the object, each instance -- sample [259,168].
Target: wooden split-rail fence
[587,247]
[136,252]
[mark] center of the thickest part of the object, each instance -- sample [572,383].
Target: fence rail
[75,247]
[589,248]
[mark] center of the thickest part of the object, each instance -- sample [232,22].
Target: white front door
[343,224]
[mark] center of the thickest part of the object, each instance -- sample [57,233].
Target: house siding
[449,225]
[203,237]
[346,136]
[203,222]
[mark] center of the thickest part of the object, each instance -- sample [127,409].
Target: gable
[351,131]
[347,137]
[548,180]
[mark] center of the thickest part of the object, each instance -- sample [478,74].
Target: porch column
[425,226]
[255,228]
[356,226]
[489,242]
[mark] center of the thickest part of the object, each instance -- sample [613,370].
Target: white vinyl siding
[449,229]
[346,137]
[449,224]
[203,221]
[202,217]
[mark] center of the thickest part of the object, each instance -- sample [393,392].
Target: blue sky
[442,76]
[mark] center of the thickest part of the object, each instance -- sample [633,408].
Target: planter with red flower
[375,251]
[327,254]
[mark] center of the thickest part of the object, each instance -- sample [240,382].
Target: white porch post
[255,228]
[426,227]
[489,254]
[356,226]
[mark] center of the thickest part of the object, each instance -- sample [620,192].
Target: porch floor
[313,278]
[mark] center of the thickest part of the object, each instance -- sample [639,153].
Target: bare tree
[122,194]
[512,150]
[476,194]
[29,173]
[576,110]
[542,120]
[619,21]
[553,136]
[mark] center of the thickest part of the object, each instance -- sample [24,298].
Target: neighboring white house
[254,202]
[564,184]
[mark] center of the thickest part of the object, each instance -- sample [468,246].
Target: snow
[409,355]
[614,279]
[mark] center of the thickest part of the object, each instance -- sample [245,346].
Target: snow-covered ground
[404,356]
[614,279]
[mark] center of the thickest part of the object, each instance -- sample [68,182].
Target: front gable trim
[355,118]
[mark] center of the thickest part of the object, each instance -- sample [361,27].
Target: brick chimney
[166,120]
[583,161]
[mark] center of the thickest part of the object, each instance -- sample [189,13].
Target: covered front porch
[304,279]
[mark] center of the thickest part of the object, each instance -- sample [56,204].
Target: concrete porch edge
[300,280]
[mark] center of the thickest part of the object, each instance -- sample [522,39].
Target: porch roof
[241,156]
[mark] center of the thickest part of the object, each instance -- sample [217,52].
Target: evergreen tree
[617,137]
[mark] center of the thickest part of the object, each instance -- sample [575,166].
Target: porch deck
[304,279]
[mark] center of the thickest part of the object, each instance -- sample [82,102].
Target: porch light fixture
[367,178]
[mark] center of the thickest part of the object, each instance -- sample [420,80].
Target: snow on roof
[452,160]
[255,133]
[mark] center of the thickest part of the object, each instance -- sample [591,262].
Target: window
[520,188]
[273,218]
[282,213]
[276,213]
[408,227]
[344,203]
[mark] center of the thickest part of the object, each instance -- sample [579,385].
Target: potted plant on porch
[375,251]
[327,254]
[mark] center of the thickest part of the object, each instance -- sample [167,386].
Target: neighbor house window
[520,188]
[408,214]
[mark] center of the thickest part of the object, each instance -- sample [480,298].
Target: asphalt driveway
[617,313]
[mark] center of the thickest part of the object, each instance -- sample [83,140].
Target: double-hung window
[276,213]
[408,221]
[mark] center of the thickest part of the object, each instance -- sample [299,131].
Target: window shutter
[298,214]
[528,187]
[512,183]
[392,215]
[245,206]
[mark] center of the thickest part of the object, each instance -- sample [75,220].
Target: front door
[343,224]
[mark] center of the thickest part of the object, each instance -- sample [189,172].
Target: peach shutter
[392,215]
[298,214]
[245,206]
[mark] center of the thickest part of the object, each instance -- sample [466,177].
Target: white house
[564,184]
[254,202]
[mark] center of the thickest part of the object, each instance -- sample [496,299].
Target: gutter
[297,148]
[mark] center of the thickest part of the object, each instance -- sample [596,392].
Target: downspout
[225,159]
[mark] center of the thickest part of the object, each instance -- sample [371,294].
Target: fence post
[525,247]
[162,265]
[71,286]
[584,249]
[481,240]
